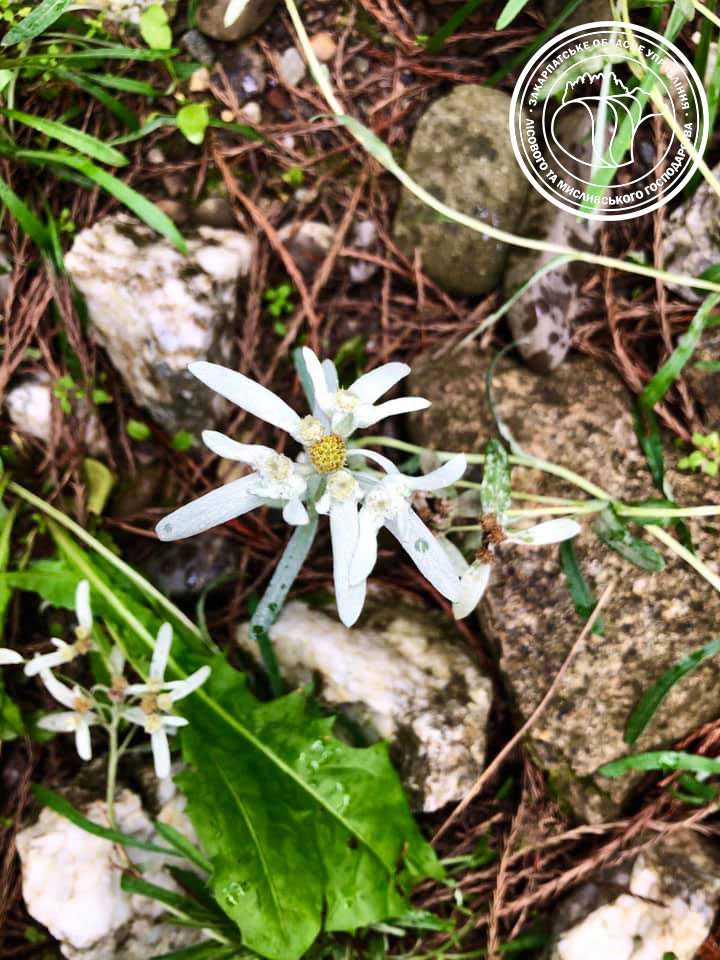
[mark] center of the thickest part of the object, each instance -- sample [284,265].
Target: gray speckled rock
[691,237]
[541,319]
[156,310]
[400,674]
[461,153]
[580,417]
[588,12]
[661,904]
[211,14]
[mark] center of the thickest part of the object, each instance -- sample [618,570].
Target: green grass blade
[661,760]
[523,55]
[508,13]
[656,389]
[115,106]
[38,20]
[438,39]
[82,142]
[580,592]
[647,430]
[24,216]
[651,700]
[615,534]
[183,845]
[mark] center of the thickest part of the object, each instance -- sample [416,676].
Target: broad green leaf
[613,532]
[192,121]
[651,700]
[275,797]
[508,13]
[52,579]
[38,20]
[155,28]
[24,216]
[71,137]
[661,760]
[496,482]
[580,592]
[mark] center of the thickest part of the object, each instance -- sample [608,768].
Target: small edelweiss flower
[77,719]
[475,577]
[65,652]
[388,504]
[154,714]
[8,656]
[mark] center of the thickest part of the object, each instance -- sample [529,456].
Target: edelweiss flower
[321,475]
[158,696]
[8,656]
[65,652]
[474,578]
[77,719]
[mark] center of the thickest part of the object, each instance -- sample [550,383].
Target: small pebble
[199,80]
[155,155]
[198,47]
[323,45]
[287,141]
[252,112]
[292,67]
[227,116]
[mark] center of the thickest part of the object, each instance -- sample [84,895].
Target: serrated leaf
[613,532]
[38,20]
[651,700]
[274,797]
[496,481]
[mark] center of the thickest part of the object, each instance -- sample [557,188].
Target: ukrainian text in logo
[609,120]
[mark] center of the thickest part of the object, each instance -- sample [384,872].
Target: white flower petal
[82,605]
[376,382]
[137,689]
[161,753]
[294,513]
[58,722]
[246,393]
[252,453]
[83,744]
[135,715]
[161,652]
[46,661]
[387,465]
[173,721]
[426,553]
[8,656]
[58,690]
[473,585]
[117,660]
[331,377]
[210,510]
[344,530]
[317,376]
[368,416]
[458,561]
[445,476]
[550,531]
[365,556]
[183,688]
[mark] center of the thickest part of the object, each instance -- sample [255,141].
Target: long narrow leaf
[82,142]
[661,760]
[508,13]
[112,104]
[182,845]
[613,532]
[580,592]
[24,216]
[38,20]
[651,700]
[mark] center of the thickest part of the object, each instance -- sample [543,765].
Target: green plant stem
[112,763]
[695,562]
[382,153]
[108,555]
[707,510]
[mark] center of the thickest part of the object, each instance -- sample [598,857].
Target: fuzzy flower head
[326,476]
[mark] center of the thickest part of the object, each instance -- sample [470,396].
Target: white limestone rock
[156,310]
[29,406]
[292,67]
[401,675]
[122,11]
[666,908]
[71,884]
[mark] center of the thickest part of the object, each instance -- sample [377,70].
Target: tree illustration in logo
[619,106]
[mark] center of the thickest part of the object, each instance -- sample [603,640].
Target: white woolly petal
[426,553]
[161,753]
[376,382]
[344,529]
[458,561]
[365,556]
[210,510]
[322,506]
[171,721]
[46,661]
[136,689]
[387,465]
[183,688]
[550,531]
[368,416]
[445,476]
[294,513]
[246,393]
[117,660]
[8,656]
[55,688]
[83,744]
[317,376]
[252,453]
[331,377]
[135,714]
[161,652]
[473,585]
[82,605]
[58,722]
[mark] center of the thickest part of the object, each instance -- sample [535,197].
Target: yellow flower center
[328,454]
